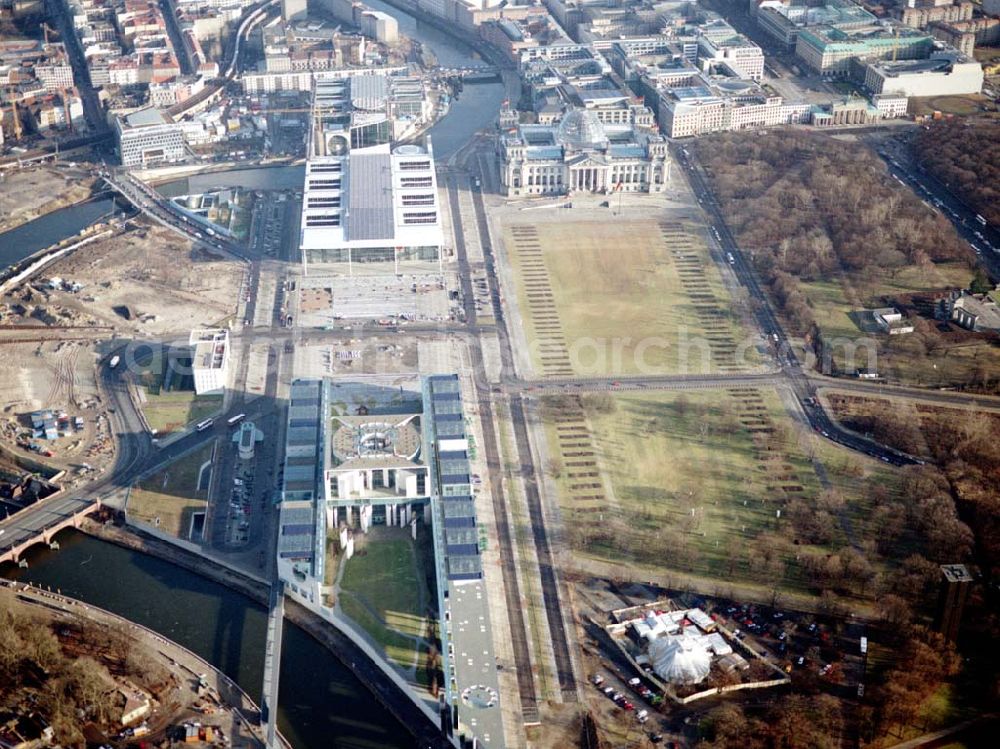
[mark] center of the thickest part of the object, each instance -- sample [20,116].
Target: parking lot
[819,653]
[271,215]
[240,503]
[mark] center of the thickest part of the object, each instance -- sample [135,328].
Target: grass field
[383,591]
[169,411]
[172,411]
[694,482]
[616,298]
[927,356]
[167,499]
[958,105]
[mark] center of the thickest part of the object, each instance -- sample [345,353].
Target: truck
[114,361]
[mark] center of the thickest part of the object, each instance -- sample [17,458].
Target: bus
[203,425]
[236,419]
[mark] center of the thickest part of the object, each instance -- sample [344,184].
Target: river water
[27,239]
[321,704]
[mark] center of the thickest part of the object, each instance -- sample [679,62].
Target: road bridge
[470,72]
[41,525]
[166,213]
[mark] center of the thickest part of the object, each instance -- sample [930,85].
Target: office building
[364,200]
[831,52]
[293,10]
[720,44]
[148,138]
[782,21]
[919,14]
[944,73]
[710,105]
[209,360]
[392,453]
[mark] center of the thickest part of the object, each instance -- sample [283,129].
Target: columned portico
[581,154]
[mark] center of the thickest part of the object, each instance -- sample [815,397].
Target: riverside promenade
[237,713]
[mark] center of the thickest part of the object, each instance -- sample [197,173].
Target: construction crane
[18,132]
[67,110]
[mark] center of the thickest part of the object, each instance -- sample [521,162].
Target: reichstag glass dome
[581,129]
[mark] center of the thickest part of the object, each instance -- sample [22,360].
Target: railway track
[50,339]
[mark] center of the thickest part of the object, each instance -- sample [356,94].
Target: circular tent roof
[580,128]
[679,660]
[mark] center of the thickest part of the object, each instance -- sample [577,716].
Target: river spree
[27,239]
[478,104]
[321,704]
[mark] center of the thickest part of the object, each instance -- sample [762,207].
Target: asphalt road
[551,590]
[802,386]
[163,210]
[983,238]
[93,110]
[512,590]
[136,455]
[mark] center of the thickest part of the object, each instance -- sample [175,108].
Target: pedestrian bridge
[272,664]
[471,72]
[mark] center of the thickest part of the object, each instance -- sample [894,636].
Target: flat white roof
[372,197]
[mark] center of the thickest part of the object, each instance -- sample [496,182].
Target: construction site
[105,282]
[139,282]
[30,193]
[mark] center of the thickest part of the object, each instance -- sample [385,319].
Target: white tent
[679,660]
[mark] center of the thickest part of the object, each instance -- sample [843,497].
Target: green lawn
[383,590]
[957,105]
[624,298]
[924,357]
[171,411]
[695,481]
[168,498]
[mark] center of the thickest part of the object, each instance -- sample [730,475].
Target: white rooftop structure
[679,659]
[209,359]
[365,201]
[376,204]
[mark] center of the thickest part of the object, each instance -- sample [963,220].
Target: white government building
[580,154]
[944,73]
[209,360]
[148,138]
[365,200]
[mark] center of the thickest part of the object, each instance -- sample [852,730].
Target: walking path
[240,713]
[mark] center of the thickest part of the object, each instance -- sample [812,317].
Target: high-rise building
[954,590]
[292,10]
